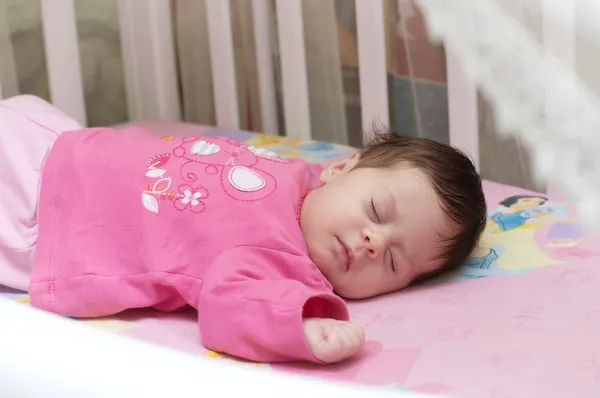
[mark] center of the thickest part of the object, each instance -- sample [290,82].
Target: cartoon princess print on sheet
[195,161]
[511,215]
[569,241]
[553,229]
[509,242]
[518,211]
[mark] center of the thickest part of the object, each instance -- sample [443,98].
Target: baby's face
[373,231]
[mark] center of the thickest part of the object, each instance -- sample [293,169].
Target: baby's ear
[339,167]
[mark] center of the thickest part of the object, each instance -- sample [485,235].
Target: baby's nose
[374,245]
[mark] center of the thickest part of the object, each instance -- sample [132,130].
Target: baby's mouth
[346,254]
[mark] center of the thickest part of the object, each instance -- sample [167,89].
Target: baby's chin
[356,289]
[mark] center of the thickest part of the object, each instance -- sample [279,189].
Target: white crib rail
[148,54]
[45,355]
[62,57]
[462,108]
[264,58]
[222,63]
[372,64]
[151,76]
[292,52]
[8,75]
[149,59]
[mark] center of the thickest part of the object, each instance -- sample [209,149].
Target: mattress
[521,318]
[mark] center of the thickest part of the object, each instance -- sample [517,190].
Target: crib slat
[149,60]
[372,64]
[223,63]
[462,108]
[292,51]
[62,57]
[264,58]
[9,85]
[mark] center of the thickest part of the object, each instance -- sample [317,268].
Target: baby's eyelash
[392,261]
[375,210]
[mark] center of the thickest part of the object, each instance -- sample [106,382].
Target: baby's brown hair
[453,177]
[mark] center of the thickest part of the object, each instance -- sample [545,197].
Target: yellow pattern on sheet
[110,324]
[23,300]
[521,249]
[263,140]
[107,324]
[217,355]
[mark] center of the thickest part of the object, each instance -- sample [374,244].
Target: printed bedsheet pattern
[529,331]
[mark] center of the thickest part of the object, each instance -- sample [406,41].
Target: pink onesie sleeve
[253,300]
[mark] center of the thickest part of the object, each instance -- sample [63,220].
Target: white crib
[69,360]
[150,69]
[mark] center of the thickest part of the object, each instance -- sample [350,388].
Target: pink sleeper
[130,220]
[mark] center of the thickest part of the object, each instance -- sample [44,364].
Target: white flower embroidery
[191,198]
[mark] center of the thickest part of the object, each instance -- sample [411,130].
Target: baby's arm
[252,307]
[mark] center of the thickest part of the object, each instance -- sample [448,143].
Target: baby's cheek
[387,282]
[358,285]
[428,272]
[404,281]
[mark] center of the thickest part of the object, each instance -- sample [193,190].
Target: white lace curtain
[536,62]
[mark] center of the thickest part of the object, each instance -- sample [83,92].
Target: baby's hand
[331,340]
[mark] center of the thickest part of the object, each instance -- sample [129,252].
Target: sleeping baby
[96,221]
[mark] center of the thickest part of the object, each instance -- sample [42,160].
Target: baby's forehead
[405,177]
[412,184]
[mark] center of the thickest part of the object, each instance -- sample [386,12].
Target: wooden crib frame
[152,94]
